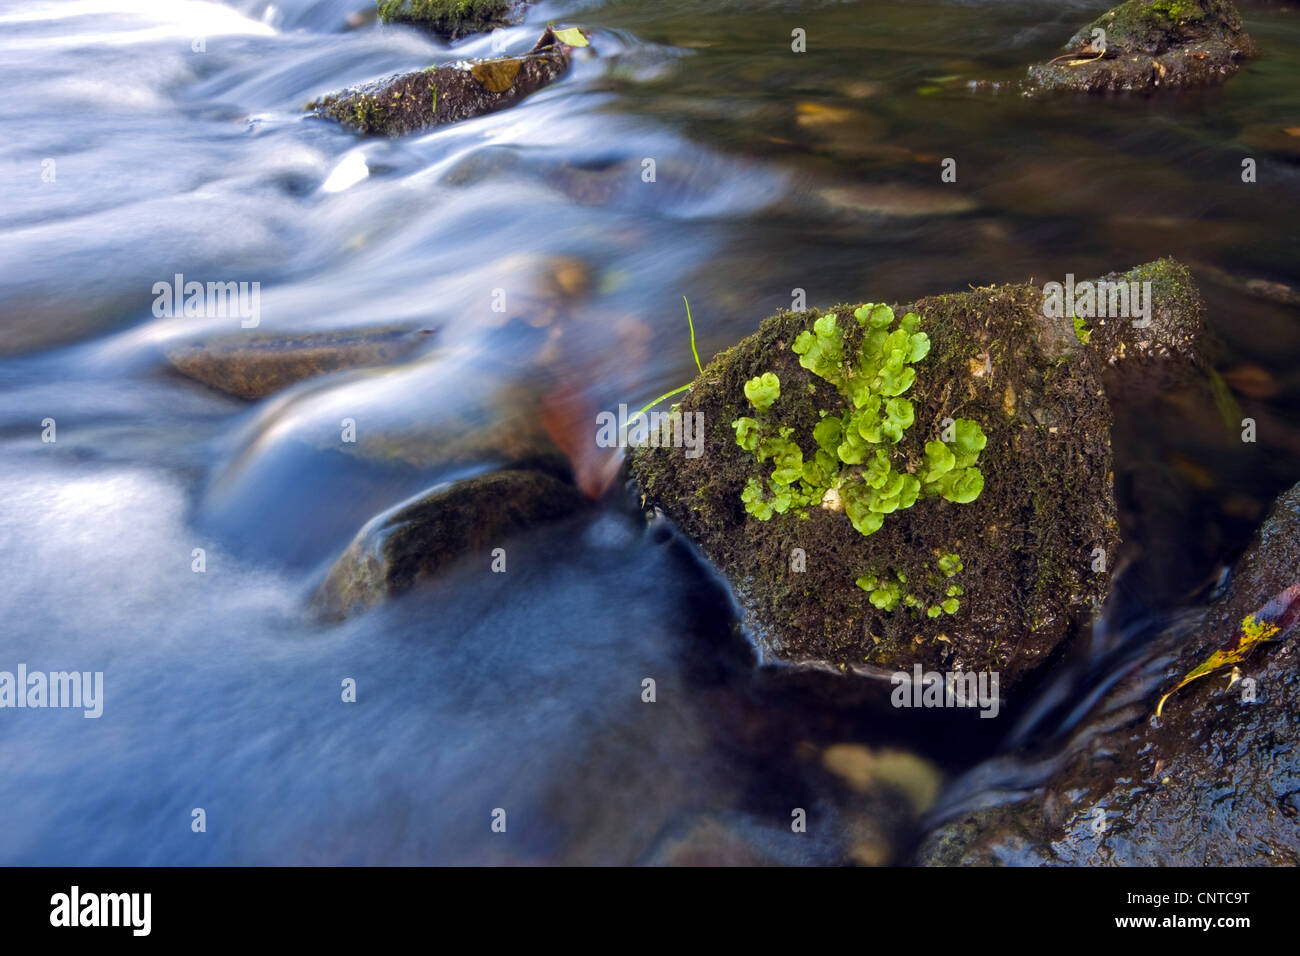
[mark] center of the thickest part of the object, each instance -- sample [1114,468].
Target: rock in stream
[451,19]
[409,102]
[1145,45]
[419,538]
[1215,781]
[981,471]
[254,365]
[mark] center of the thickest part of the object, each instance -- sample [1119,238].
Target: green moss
[1152,26]
[368,115]
[454,18]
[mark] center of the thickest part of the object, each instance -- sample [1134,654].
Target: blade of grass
[657,401]
[691,323]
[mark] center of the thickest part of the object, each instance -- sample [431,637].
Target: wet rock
[1266,289]
[254,365]
[894,200]
[409,102]
[417,539]
[1026,544]
[1146,360]
[317,461]
[1283,140]
[860,806]
[1149,45]
[865,769]
[451,19]
[1213,782]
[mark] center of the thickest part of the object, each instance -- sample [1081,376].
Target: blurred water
[147,139]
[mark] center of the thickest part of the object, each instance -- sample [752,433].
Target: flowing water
[147,139]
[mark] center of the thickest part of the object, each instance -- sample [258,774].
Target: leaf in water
[1273,619]
[496,76]
[572,36]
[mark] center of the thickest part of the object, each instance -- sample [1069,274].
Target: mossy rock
[1028,544]
[417,539]
[1150,44]
[1214,782]
[256,364]
[409,102]
[1154,26]
[452,19]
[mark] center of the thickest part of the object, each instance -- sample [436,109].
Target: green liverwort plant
[887,590]
[857,466]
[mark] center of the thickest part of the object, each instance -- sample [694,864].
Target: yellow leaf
[496,76]
[1265,624]
[572,36]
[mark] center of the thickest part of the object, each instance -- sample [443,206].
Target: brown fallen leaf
[1272,620]
[1253,381]
[567,414]
[496,76]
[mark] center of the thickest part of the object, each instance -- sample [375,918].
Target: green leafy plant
[856,466]
[763,391]
[887,590]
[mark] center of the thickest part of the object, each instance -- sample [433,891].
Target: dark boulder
[409,102]
[417,539]
[1214,781]
[969,525]
[1144,45]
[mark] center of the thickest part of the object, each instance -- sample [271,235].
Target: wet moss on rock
[409,102]
[1027,544]
[452,19]
[1150,44]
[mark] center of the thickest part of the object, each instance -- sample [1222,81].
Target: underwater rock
[446,94]
[254,365]
[417,539]
[1146,45]
[1215,781]
[977,539]
[451,19]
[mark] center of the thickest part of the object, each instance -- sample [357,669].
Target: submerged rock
[447,94]
[958,512]
[1214,782]
[419,538]
[255,365]
[1145,45]
[860,806]
[452,19]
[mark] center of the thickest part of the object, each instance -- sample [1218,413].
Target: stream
[142,140]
